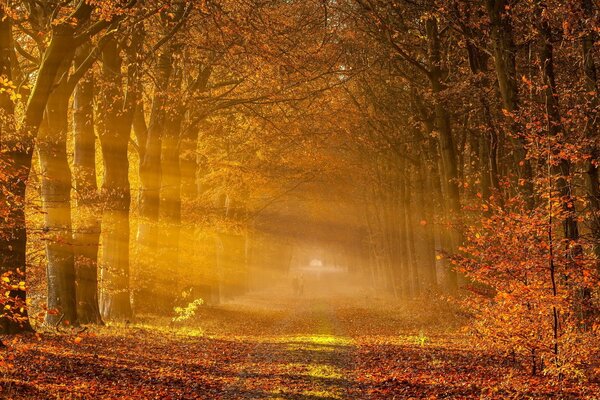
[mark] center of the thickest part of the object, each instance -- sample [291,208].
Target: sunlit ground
[272,345]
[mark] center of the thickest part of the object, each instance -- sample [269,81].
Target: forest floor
[273,347]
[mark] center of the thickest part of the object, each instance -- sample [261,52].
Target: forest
[299,199]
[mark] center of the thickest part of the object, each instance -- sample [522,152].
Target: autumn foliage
[160,158]
[531,291]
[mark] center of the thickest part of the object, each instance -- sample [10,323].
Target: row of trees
[170,104]
[478,127]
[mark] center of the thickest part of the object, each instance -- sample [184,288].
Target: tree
[86,236]
[18,145]
[117,107]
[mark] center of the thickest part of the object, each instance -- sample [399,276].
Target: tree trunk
[488,142]
[14,165]
[489,156]
[556,128]
[444,236]
[189,164]
[149,198]
[189,138]
[87,232]
[171,193]
[56,199]
[411,256]
[7,106]
[504,51]
[424,231]
[446,143]
[592,129]
[400,240]
[115,127]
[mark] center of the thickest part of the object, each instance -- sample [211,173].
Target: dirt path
[264,346]
[317,364]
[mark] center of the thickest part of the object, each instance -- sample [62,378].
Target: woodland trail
[313,365]
[271,346]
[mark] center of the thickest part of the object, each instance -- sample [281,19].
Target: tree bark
[411,256]
[504,51]
[556,128]
[446,143]
[87,233]
[592,129]
[116,119]
[171,192]
[56,200]
[149,197]
[424,231]
[12,195]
